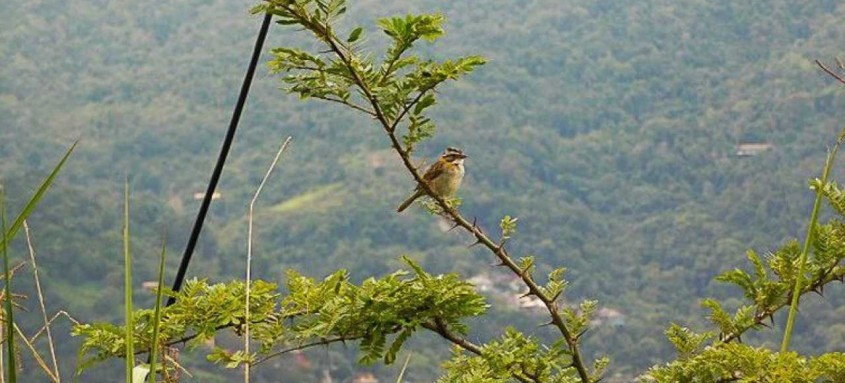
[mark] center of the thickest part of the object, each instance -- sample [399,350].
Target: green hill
[611,129]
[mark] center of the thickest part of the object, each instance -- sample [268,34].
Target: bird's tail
[410,200]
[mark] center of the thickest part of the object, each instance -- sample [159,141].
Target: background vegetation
[610,129]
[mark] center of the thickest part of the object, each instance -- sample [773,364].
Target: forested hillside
[611,129]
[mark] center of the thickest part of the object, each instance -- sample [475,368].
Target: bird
[443,177]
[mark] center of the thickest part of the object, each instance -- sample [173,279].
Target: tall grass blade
[249,256]
[157,314]
[404,367]
[33,201]
[11,364]
[127,287]
[802,260]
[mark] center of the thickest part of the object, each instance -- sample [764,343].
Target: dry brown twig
[41,304]
[832,73]
[249,253]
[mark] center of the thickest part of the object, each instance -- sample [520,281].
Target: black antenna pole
[221,159]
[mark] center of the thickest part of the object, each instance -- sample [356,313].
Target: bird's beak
[463,155]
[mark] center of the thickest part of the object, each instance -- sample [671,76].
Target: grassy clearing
[318,199]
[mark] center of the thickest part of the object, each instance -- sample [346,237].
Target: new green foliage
[380,313]
[775,282]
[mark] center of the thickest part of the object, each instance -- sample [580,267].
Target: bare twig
[404,367]
[407,107]
[38,290]
[440,328]
[249,254]
[347,103]
[179,366]
[322,342]
[830,72]
[38,359]
[50,322]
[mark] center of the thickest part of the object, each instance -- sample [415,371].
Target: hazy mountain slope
[609,128]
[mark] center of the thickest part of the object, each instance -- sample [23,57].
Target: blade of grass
[404,367]
[249,256]
[802,260]
[33,201]
[11,364]
[157,314]
[127,287]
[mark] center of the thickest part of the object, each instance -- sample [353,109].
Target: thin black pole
[221,159]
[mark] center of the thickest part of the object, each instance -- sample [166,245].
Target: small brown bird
[443,177]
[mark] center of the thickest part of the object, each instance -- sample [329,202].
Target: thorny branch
[441,329]
[343,53]
[321,342]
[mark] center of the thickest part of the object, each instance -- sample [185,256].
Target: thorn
[528,294]
[739,338]
[474,223]
[453,227]
[554,298]
[580,334]
[478,241]
[549,323]
[499,264]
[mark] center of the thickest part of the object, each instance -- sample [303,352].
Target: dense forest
[643,145]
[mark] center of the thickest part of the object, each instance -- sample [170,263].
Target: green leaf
[355,35]
[508,226]
[424,102]
[33,201]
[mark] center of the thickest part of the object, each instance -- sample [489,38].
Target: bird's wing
[434,171]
